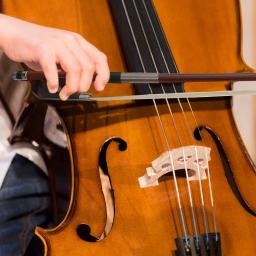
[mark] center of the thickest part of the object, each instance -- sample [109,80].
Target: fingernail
[53,89]
[63,96]
[101,87]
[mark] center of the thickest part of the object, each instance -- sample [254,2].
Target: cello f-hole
[84,230]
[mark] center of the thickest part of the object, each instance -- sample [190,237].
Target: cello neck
[143,42]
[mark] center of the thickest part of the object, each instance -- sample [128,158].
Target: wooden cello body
[121,140]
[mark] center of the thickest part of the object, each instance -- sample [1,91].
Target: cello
[177,177]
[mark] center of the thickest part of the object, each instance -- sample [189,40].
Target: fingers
[47,62]
[102,71]
[100,63]
[72,67]
[79,59]
[86,64]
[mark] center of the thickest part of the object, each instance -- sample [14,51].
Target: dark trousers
[24,204]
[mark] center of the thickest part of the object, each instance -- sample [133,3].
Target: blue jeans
[24,204]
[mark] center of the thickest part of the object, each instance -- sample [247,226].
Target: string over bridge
[193,158]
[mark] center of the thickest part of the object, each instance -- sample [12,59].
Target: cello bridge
[188,161]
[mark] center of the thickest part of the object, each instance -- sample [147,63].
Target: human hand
[43,48]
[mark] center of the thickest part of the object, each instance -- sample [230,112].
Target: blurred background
[244,107]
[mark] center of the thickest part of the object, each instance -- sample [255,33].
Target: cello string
[188,128]
[208,173]
[174,124]
[192,208]
[187,125]
[162,128]
[207,168]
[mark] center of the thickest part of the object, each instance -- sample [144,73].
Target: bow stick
[149,78]
[155,78]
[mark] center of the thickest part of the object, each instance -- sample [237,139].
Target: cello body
[204,37]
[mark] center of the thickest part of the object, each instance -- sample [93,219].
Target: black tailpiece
[200,245]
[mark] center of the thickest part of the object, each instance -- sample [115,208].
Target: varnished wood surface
[204,37]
